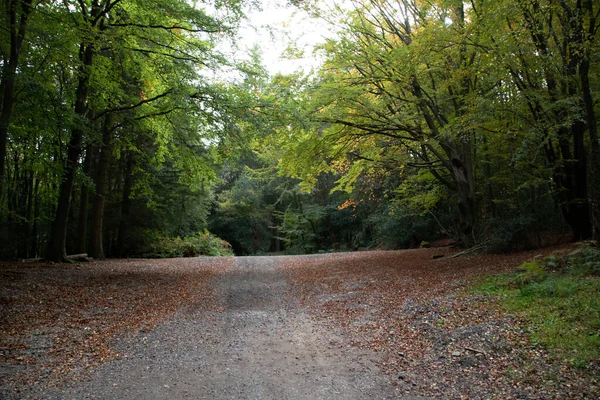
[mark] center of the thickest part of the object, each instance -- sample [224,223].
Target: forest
[127,131]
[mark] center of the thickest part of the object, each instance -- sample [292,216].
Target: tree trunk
[29,214]
[571,178]
[592,127]
[84,204]
[466,199]
[34,227]
[487,170]
[104,159]
[9,76]
[125,204]
[58,235]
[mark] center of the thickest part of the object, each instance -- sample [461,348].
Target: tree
[93,21]
[162,32]
[15,15]
[547,48]
[399,87]
[445,87]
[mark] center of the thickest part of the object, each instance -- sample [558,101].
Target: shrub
[529,272]
[393,231]
[202,244]
[584,261]
[511,234]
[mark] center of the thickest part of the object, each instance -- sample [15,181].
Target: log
[78,257]
[470,250]
[30,260]
[73,257]
[475,350]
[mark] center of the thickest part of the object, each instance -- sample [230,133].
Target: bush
[402,231]
[583,261]
[202,244]
[512,234]
[529,272]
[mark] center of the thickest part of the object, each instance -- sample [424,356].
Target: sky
[275,27]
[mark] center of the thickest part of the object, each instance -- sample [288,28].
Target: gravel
[366,325]
[254,341]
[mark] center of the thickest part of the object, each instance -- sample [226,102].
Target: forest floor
[377,324]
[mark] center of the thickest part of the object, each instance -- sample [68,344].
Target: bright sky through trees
[285,34]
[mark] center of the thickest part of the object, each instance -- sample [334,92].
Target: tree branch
[141,117]
[167,28]
[188,58]
[127,108]
[370,130]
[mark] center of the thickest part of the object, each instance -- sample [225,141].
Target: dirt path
[366,325]
[258,343]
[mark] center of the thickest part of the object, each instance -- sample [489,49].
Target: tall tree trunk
[9,75]
[487,170]
[570,180]
[582,226]
[29,216]
[34,225]
[58,235]
[459,162]
[592,126]
[104,159]
[466,198]
[125,204]
[84,200]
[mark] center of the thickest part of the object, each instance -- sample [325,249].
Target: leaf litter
[58,322]
[437,339]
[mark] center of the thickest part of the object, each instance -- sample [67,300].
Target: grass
[560,296]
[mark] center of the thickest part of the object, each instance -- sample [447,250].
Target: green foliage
[393,231]
[512,234]
[560,296]
[583,261]
[469,122]
[299,228]
[420,193]
[530,272]
[168,124]
[408,131]
[202,244]
[244,206]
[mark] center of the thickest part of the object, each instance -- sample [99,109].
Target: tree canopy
[427,119]
[492,103]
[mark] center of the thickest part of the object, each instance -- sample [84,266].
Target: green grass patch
[560,296]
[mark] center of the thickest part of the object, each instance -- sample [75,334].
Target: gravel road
[254,342]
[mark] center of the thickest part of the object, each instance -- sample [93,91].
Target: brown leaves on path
[437,340]
[57,320]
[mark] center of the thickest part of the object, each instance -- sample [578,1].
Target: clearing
[377,324]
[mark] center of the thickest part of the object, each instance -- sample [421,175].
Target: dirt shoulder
[338,326]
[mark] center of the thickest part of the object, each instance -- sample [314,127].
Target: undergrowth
[202,244]
[560,296]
